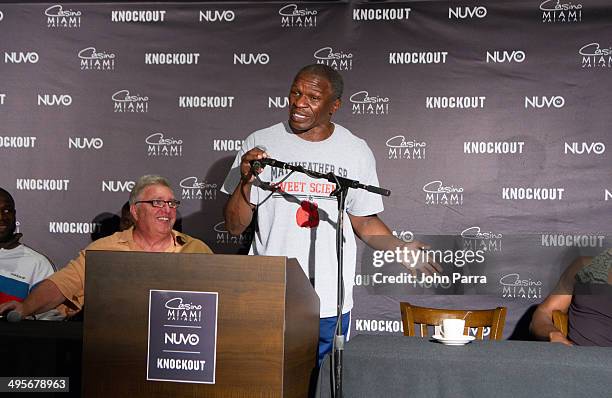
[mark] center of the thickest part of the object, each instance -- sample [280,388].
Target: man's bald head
[331,75]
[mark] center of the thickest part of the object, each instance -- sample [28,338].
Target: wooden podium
[267,326]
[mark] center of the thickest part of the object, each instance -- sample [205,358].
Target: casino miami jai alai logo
[362,103]
[294,17]
[594,56]
[555,11]
[58,17]
[125,102]
[338,60]
[398,147]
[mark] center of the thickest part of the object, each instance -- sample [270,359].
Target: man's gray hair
[145,181]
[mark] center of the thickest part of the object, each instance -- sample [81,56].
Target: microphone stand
[340,192]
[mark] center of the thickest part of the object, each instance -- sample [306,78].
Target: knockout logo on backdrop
[182,338]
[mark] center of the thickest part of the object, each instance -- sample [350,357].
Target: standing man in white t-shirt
[298,217]
[21,268]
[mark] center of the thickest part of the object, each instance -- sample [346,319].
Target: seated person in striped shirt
[21,267]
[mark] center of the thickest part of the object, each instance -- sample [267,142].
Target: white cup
[452,328]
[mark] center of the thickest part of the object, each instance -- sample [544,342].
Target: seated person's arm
[542,325]
[44,297]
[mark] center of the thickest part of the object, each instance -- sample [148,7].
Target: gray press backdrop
[489,122]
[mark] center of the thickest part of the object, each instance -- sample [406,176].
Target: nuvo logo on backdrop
[251,58]
[436,193]
[585,148]
[557,11]
[126,102]
[607,194]
[278,102]
[58,17]
[293,16]
[398,147]
[595,56]
[464,12]
[506,56]
[1,16]
[123,186]
[59,100]
[334,58]
[381,14]
[192,188]
[91,58]
[160,145]
[21,57]
[220,16]
[2,98]
[94,143]
[363,103]
[543,101]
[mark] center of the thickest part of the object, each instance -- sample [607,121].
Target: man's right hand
[558,337]
[9,306]
[246,171]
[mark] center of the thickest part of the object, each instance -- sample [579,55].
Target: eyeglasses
[173,204]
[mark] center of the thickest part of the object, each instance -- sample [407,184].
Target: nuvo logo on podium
[182,345]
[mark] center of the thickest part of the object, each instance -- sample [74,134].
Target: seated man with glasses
[153,209]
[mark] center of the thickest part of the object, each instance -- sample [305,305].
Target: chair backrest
[560,321]
[423,317]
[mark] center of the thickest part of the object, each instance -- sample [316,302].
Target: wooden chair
[560,321]
[424,317]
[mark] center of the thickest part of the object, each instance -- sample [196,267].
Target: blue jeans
[327,329]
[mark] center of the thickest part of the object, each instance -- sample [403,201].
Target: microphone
[259,164]
[14,316]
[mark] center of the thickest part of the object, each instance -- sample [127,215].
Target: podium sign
[187,325]
[182,336]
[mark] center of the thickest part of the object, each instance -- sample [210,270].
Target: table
[399,366]
[43,348]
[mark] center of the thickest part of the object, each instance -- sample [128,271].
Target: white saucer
[463,340]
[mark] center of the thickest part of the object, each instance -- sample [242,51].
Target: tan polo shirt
[71,279]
